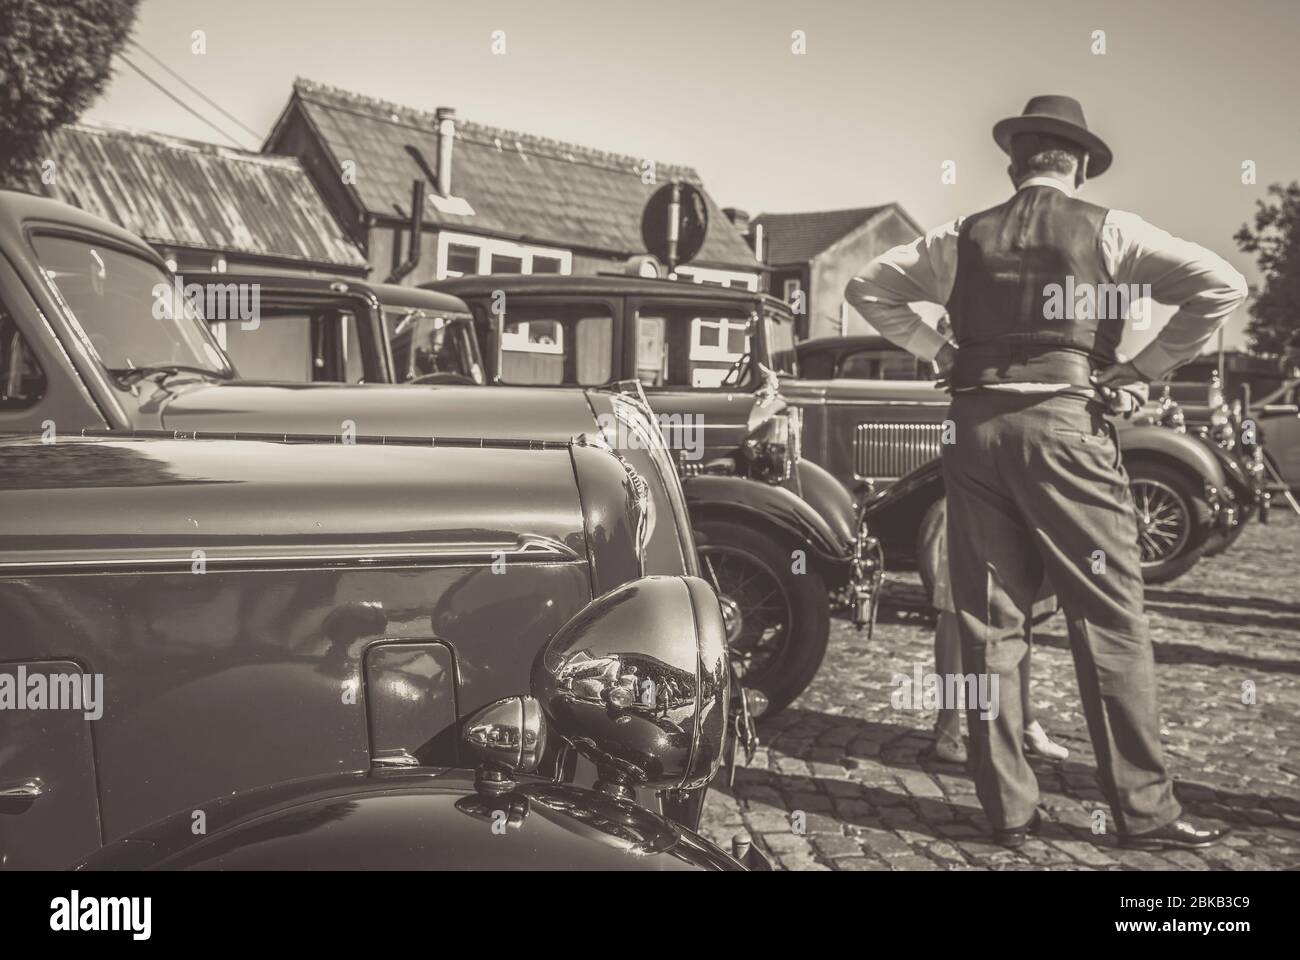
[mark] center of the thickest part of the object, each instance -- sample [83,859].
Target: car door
[49,814]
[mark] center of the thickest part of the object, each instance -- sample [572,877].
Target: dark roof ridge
[552,148]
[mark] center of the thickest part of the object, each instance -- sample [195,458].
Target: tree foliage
[1274,327]
[55,58]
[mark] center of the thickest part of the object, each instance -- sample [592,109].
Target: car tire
[783,664]
[1160,491]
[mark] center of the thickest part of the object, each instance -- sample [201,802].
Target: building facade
[495,201]
[812,257]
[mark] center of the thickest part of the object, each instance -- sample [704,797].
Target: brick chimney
[446,118]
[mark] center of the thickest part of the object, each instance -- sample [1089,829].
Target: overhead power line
[196,91]
[181,103]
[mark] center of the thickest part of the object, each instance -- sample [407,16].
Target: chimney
[446,118]
[739,217]
[752,232]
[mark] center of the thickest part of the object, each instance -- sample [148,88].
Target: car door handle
[17,795]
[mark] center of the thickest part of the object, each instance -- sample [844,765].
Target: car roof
[620,284]
[19,208]
[388,294]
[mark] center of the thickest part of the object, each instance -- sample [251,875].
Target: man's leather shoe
[1014,837]
[1179,835]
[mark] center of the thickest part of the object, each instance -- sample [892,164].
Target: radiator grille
[887,451]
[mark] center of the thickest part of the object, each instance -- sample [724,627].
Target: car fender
[722,497]
[828,498]
[1163,443]
[894,514]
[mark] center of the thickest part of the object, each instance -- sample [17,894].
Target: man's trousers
[1035,485]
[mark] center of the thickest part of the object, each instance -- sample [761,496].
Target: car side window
[322,346]
[883,365]
[557,345]
[683,346]
[22,381]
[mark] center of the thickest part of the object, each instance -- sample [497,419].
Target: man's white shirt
[1205,287]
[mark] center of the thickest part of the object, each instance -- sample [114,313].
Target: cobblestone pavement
[872,797]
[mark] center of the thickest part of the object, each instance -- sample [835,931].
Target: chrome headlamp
[775,446]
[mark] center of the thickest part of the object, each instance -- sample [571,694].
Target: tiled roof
[520,186]
[187,194]
[790,238]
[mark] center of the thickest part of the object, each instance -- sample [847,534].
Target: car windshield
[129,312]
[780,343]
[425,343]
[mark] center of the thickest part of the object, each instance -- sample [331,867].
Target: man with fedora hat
[1037,291]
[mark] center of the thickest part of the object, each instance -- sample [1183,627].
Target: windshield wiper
[133,375]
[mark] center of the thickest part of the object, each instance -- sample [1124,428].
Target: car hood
[900,391]
[420,820]
[391,410]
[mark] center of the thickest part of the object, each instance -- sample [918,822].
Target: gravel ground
[843,781]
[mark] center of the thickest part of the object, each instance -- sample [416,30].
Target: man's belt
[983,364]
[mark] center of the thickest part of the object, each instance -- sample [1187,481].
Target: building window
[719,278]
[462,255]
[462,260]
[790,288]
[721,338]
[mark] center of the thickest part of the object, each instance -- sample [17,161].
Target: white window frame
[518,341]
[487,246]
[728,278]
[791,287]
[718,352]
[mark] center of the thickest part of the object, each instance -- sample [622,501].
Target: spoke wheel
[1164,520]
[1174,520]
[777,620]
[755,606]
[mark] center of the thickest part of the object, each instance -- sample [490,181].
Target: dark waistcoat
[1032,299]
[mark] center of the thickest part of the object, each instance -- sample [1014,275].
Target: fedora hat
[1062,117]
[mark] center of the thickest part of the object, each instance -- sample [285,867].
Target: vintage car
[874,415]
[774,531]
[286,653]
[396,334]
[95,333]
[1262,428]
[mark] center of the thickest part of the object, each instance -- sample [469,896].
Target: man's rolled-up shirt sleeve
[912,272]
[1205,288]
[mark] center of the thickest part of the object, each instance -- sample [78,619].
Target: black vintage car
[775,531]
[270,654]
[873,414]
[96,334]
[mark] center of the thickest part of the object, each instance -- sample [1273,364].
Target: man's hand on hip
[1119,375]
[943,361]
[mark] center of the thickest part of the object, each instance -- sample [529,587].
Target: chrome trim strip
[533,548]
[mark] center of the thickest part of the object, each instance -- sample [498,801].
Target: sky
[883,95]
